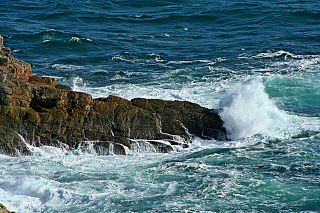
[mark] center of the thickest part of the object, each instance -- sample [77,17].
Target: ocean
[257,61]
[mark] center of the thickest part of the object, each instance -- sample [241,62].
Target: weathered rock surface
[47,113]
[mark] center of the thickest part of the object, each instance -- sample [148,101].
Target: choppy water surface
[257,61]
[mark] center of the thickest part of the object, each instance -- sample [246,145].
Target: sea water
[256,62]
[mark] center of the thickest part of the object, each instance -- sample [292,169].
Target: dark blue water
[259,61]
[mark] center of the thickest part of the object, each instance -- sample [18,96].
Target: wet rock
[11,142]
[47,113]
[176,117]
[3,209]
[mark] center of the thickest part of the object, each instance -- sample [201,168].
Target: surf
[249,111]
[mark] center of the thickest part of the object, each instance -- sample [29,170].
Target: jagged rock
[47,113]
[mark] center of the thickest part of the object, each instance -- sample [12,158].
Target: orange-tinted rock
[3,209]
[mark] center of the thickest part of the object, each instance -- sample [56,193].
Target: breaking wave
[249,111]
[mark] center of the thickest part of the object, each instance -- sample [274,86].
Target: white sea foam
[249,111]
[78,84]
[66,67]
[207,94]
[75,39]
[41,184]
[305,63]
[19,202]
[291,62]
[274,54]
[53,179]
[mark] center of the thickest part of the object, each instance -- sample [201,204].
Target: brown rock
[3,209]
[134,122]
[11,143]
[175,116]
[47,113]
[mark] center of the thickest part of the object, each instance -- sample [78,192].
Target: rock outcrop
[45,112]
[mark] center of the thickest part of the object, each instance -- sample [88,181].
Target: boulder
[44,112]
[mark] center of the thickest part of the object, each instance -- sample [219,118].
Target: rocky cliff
[43,112]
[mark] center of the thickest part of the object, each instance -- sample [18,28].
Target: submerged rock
[47,113]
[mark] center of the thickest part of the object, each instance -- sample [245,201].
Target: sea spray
[249,111]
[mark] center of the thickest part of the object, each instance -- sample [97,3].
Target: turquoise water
[258,62]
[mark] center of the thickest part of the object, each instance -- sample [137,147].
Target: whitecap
[76,39]
[78,84]
[274,54]
[249,111]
